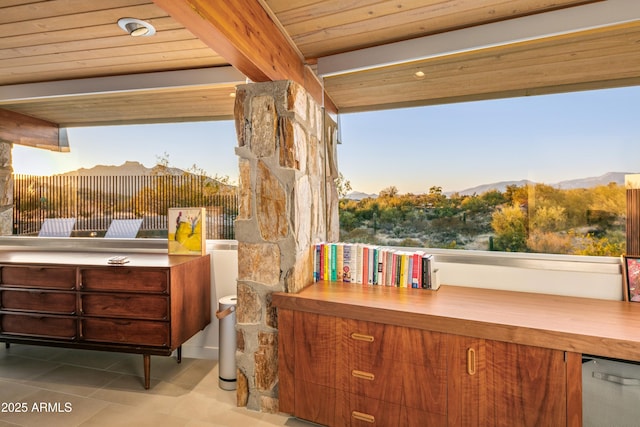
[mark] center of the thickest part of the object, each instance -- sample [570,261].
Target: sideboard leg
[147,370]
[179,354]
[7,345]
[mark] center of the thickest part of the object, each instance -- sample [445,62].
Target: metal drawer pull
[616,379]
[363,375]
[361,337]
[471,361]
[363,417]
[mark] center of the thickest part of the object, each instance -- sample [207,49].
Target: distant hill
[617,177]
[357,195]
[128,168]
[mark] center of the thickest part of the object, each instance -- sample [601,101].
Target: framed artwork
[631,267]
[187,231]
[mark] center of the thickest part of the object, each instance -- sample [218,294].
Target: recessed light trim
[136,27]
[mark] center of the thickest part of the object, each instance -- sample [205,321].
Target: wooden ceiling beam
[20,129]
[243,32]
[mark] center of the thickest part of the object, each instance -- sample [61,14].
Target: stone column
[288,202]
[6,189]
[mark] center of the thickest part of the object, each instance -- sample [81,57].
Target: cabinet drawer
[41,326]
[125,305]
[40,277]
[38,300]
[393,342]
[142,332]
[360,411]
[315,403]
[416,386]
[371,339]
[376,378]
[124,279]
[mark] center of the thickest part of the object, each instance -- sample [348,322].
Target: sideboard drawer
[142,332]
[38,300]
[373,377]
[40,277]
[42,326]
[360,411]
[118,278]
[133,306]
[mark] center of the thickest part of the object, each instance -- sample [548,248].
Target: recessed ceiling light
[419,75]
[136,27]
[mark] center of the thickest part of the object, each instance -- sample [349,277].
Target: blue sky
[546,139]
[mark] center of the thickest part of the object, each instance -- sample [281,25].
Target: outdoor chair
[123,229]
[57,227]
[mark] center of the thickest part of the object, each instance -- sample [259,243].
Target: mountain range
[589,182]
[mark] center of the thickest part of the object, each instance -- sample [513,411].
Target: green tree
[509,226]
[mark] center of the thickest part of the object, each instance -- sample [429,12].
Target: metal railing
[96,200]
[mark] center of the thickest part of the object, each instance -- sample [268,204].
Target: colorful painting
[187,233]
[632,278]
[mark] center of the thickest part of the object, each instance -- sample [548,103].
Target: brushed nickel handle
[471,361]
[362,337]
[363,417]
[615,378]
[363,375]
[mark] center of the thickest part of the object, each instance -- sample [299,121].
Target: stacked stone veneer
[6,189]
[288,201]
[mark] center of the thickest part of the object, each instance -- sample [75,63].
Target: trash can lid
[228,300]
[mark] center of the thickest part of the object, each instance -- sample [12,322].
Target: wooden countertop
[582,325]
[136,259]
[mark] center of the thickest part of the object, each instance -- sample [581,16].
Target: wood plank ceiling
[68,63]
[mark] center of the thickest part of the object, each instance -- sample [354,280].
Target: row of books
[373,265]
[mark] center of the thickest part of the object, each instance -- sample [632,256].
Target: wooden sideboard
[150,305]
[369,355]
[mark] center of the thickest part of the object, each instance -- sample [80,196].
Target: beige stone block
[266,361]
[245,190]
[297,101]
[259,262]
[264,126]
[242,391]
[301,143]
[239,339]
[249,309]
[269,404]
[287,144]
[271,313]
[271,206]
[238,112]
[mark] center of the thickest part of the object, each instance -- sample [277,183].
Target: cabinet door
[314,342]
[494,383]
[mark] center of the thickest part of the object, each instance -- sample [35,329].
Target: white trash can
[227,344]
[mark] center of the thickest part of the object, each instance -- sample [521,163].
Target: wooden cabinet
[342,365]
[493,383]
[149,306]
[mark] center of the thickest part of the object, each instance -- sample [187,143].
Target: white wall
[224,272]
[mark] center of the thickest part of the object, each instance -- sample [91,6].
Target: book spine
[415,270]
[333,272]
[357,270]
[339,261]
[374,266]
[389,273]
[326,268]
[316,262]
[426,272]
[346,263]
[365,264]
